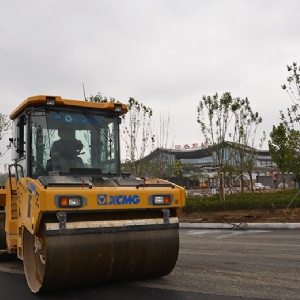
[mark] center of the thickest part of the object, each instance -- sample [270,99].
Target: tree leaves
[137,135]
[293,87]
[5,126]
[216,117]
[284,148]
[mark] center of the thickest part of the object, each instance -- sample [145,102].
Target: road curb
[240,225]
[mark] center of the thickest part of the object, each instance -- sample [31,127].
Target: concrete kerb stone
[243,226]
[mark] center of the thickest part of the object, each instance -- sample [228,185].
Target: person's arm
[80,145]
[55,149]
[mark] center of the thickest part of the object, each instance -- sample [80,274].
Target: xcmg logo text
[103,199]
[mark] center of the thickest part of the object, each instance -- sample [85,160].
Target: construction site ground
[243,216]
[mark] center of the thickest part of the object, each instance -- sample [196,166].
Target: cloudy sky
[166,54]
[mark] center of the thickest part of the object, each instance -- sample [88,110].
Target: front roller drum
[72,259]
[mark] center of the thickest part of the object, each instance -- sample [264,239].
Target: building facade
[202,161]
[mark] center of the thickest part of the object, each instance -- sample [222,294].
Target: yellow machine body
[80,221]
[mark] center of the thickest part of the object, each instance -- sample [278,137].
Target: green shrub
[280,199]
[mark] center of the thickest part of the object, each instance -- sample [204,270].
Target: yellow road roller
[67,210]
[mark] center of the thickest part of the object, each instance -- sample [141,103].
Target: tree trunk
[221,187]
[251,182]
[242,182]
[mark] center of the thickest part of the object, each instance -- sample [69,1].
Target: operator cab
[53,136]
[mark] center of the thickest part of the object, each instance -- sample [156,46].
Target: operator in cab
[66,148]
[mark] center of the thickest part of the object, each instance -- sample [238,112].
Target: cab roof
[58,101]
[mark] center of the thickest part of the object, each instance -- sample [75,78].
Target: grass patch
[271,200]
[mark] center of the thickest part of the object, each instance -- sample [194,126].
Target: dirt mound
[243,216]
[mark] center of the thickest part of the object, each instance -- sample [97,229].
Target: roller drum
[73,260]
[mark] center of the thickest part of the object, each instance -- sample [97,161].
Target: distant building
[203,159]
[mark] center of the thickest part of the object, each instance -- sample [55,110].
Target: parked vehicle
[259,186]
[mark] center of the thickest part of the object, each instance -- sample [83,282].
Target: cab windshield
[75,142]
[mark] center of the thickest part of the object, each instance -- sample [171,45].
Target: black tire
[2,231]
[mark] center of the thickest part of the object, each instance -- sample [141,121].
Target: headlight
[70,202]
[161,200]
[50,100]
[118,108]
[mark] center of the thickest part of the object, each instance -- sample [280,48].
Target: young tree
[294,146]
[161,161]
[293,90]
[137,135]
[293,116]
[219,112]
[245,127]
[280,150]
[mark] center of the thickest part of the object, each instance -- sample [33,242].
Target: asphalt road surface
[212,265]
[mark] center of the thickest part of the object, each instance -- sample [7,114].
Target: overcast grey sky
[164,53]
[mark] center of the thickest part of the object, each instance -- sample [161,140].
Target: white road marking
[223,234]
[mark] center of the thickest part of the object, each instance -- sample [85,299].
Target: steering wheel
[72,147]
